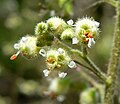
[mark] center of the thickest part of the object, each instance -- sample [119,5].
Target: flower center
[51,60]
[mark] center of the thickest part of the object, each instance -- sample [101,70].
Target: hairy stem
[111,2]
[113,63]
[84,65]
[97,71]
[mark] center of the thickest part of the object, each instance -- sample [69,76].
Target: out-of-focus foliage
[22,81]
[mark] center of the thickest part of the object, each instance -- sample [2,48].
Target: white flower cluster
[84,31]
[57,59]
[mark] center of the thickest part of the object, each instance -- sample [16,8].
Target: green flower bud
[27,46]
[44,40]
[67,34]
[41,28]
[56,25]
[88,96]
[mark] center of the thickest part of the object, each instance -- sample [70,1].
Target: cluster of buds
[83,31]
[27,47]
[43,36]
[56,25]
[57,60]
[86,31]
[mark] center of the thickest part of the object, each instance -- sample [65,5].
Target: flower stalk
[111,2]
[113,63]
[80,54]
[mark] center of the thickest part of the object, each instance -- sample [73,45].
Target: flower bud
[67,34]
[44,40]
[59,86]
[27,46]
[88,96]
[41,28]
[56,24]
[87,31]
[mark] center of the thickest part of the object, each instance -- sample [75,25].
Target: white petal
[90,42]
[46,72]
[97,23]
[61,51]
[75,40]
[16,46]
[17,53]
[93,41]
[62,74]
[60,98]
[70,22]
[72,64]
[24,39]
[42,52]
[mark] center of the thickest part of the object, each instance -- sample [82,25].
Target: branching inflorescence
[83,32]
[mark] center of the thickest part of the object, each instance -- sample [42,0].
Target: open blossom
[86,31]
[27,47]
[57,60]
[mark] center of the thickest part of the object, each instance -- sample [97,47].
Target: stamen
[90,35]
[16,46]
[13,57]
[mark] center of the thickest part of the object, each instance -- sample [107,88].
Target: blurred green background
[22,81]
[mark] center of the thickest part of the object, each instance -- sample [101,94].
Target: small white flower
[62,74]
[46,72]
[90,42]
[75,40]
[70,22]
[72,64]
[97,23]
[61,51]
[42,52]
[16,46]
[60,98]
